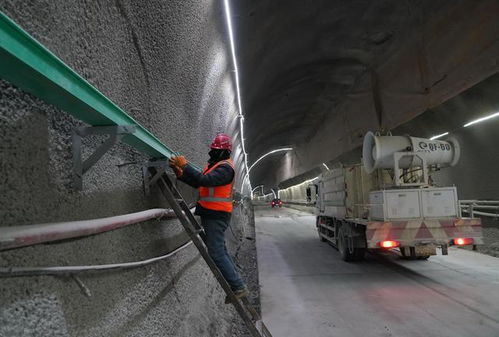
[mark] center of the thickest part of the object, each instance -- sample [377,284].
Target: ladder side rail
[184,220]
[184,206]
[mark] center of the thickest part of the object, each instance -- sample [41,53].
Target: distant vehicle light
[463,241]
[389,244]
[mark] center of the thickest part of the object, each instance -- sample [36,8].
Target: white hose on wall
[20,236]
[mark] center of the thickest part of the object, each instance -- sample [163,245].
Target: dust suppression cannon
[401,153]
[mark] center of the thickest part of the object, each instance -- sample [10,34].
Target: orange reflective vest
[217,198]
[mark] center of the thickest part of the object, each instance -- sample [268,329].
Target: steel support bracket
[80,166]
[151,179]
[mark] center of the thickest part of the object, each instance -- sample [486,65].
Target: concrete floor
[308,291]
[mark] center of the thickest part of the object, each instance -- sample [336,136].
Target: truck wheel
[359,253]
[346,255]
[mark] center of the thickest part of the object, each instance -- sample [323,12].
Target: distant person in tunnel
[214,184]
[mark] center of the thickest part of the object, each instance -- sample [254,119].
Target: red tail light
[463,241]
[389,244]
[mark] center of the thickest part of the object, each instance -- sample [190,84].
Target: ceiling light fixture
[268,154]
[439,136]
[325,166]
[238,91]
[260,159]
[482,119]
[259,186]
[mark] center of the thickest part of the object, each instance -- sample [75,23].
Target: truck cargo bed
[355,207]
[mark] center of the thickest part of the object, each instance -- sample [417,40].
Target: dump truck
[389,201]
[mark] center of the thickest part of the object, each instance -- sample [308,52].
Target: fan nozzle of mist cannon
[378,151]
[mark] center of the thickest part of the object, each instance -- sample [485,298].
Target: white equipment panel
[439,202]
[410,204]
[402,204]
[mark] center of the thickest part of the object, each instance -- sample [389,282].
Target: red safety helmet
[221,142]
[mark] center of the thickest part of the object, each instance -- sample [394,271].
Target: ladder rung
[187,219]
[250,308]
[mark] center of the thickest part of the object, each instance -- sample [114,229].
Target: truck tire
[346,254]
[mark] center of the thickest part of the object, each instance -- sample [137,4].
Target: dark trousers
[215,241]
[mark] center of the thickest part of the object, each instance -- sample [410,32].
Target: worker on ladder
[214,184]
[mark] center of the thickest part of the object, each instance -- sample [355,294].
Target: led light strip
[439,136]
[259,186]
[481,119]
[268,154]
[246,177]
[238,92]
[303,182]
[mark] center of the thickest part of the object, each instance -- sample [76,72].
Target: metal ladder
[247,312]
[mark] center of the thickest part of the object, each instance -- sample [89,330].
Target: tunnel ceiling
[298,60]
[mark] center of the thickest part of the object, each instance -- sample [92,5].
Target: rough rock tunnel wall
[168,65]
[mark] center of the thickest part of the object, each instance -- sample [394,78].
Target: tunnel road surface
[307,290]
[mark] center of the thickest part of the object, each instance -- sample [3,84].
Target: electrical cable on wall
[64,270]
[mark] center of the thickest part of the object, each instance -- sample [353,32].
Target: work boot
[239,293]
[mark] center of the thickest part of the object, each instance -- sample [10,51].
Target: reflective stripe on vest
[218,198]
[211,193]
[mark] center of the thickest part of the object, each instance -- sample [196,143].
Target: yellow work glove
[178,161]
[178,171]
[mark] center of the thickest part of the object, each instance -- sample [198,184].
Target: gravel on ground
[490,231]
[246,261]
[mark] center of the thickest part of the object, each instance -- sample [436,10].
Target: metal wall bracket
[149,179]
[80,166]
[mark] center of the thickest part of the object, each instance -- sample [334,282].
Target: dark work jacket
[222,175]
